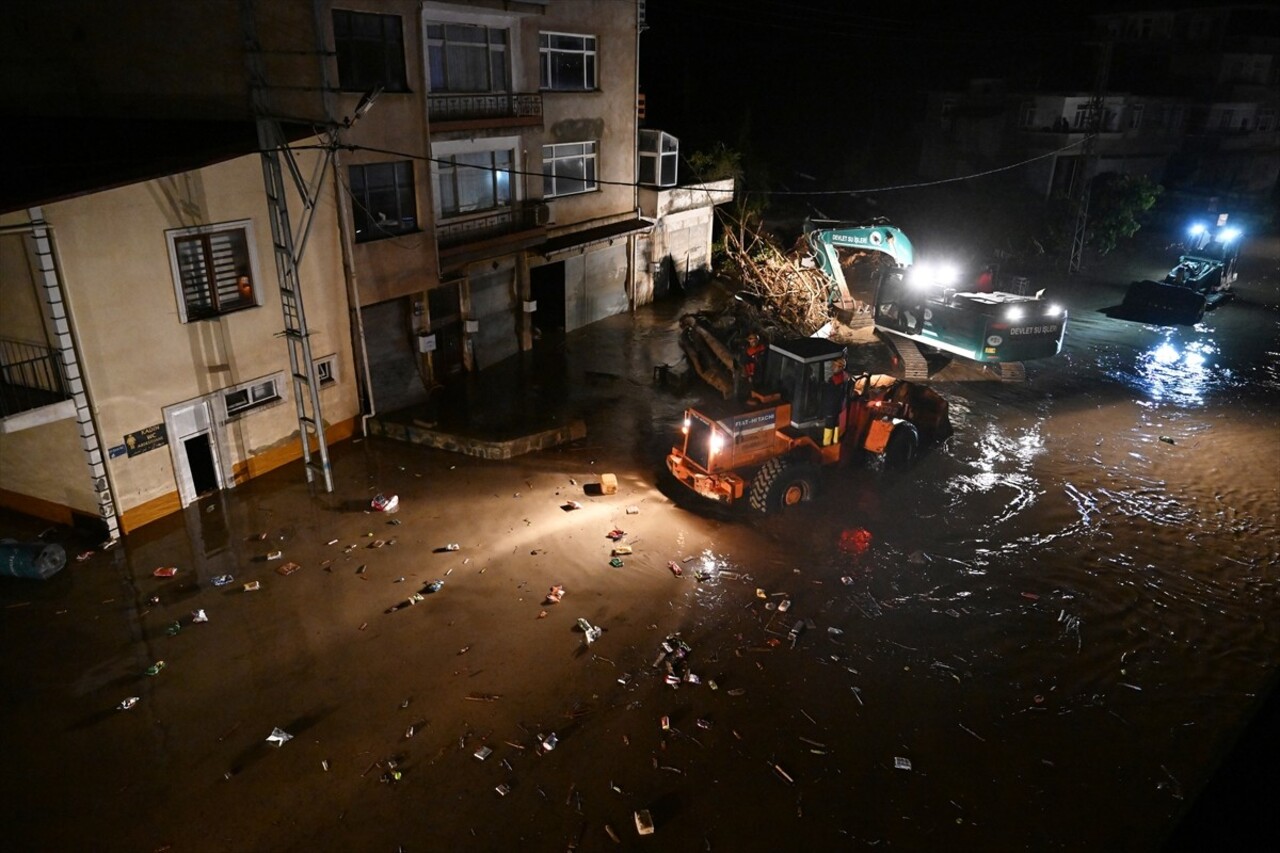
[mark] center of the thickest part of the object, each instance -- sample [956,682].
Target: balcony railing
[488,226]
[487,106]
[30,377]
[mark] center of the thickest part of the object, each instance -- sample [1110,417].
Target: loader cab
[796,372]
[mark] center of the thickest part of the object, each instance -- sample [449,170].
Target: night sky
[826,87]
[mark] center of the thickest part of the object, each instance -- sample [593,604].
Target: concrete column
[524,291]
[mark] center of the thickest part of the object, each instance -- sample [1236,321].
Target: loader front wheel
[782,483]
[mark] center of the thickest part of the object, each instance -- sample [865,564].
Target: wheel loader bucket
[1154,297]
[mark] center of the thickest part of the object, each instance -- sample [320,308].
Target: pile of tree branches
[794,297]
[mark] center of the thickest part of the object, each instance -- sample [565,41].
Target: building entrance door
[194,447]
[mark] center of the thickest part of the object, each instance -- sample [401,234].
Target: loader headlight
[1229,234]
[1053,310]
[684,428]
[717,442]
[1196,230]
[1014,314]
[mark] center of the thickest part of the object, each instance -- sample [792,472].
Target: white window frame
[586,153]
[172,238]
[442,43]
[589,52]
[447,151]
[1135,116]
[326,368]
[260,393]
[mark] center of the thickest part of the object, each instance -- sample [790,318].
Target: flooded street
[1044,637]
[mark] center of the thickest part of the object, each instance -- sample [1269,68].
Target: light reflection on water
[1181,374]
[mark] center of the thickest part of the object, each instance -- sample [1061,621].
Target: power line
[633,184]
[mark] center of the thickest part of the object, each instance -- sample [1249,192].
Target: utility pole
[288,246]
[1080,189]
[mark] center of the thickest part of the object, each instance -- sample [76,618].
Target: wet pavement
[1045,637]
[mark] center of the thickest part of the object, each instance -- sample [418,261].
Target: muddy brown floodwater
[1046,638]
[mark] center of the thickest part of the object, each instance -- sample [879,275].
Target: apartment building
[1191,100]
[462,181]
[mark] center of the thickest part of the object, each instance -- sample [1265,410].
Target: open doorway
[546,284]
[194,447]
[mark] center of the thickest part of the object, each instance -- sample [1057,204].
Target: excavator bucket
[1164,300]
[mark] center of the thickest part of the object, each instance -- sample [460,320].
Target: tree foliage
[1117,204]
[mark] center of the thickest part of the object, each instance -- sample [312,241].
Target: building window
[568,168]
[568,62]
[326,370]
[466,58]
[1028,119]
[370,51]
[1266,119]
[659,158]
[252,395]
[471,181]
[382,200]
[1135,116]
[213,270]
[1225,118]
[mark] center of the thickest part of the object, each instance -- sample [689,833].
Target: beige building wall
[607,115]
[138,358]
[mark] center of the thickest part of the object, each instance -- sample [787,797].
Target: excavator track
[914,366]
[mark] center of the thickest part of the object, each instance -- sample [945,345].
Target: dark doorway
[204,475]
[446,325]
[547,285]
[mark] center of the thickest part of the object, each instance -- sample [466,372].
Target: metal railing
[30,377]
[497,223]
[442,108]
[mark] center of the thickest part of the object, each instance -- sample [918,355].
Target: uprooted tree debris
[779,296]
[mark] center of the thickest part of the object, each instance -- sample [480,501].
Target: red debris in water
[855,541]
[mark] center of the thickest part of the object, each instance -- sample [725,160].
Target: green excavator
[926,303]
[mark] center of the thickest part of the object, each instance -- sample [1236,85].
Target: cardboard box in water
[608,484]
[644,822]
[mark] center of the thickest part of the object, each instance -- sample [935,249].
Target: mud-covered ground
[1045,637]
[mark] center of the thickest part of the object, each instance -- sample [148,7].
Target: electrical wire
[633,184]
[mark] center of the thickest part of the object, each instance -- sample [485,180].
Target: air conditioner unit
[541,214]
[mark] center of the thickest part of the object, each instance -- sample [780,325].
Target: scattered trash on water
[591,633]
[286,569]
[549,742]
[332,542]
[252,586]
[782,774]
[128,703]
[846,580]
[83,555]
[615,534]
[795,632]
[382,503]
[409,732]
[1166,439]
[155,668]
[784,606]
[324,764]
[199,616]
[760,593]
[675,568]
[275,555]
[554,594]
[221,580]
[644,822]
[901,763]
[503,789]
[633,510]
[665,723]
[612,835]
[434,586]
[569,506]
[483,752]
[279,737]
[834,631]
[165,572]
[616,562]
[621,550]
[453,546]
[174,629]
